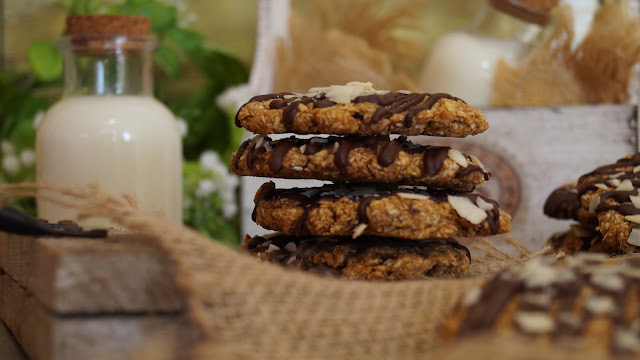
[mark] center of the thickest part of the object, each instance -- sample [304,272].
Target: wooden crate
[67,298]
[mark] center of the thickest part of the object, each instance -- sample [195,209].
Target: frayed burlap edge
[248,309]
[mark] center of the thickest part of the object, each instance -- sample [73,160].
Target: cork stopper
[108,25]
[533,11]
[108,34]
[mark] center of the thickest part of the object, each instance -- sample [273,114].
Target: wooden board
[123,273]
[9,348]
[45,335]
[535,150]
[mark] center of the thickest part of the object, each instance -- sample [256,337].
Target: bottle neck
[494,23]
[106,70]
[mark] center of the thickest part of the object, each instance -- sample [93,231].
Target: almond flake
[297,168]
[616,175]
[412,196]
[267,146]
[602,186]
[466,209]
[615,182]
[259,142]
[636,169]
[595,201]
[457,156]
[476,161]
[633,218]
[600,305]
[625,185]
[359,230]
[291,246]
[336,145]
[471,297]
[627,340]
[291,260]
[534,322]
[272,247]
[303,148]
[611,282]
[634,237]
[635,200]
[486,206]
[406,92]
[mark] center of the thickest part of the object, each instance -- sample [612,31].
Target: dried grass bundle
[597,71]
[335,42]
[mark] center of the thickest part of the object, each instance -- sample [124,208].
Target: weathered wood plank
[44,335]
[123,273]
[9,348]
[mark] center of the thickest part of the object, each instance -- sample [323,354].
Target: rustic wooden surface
[545,146]
[121,273]
[70,298]
[45,335]
[9,347]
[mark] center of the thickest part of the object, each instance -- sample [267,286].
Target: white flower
[183,126]
[6,147]
[10,164]
[37,120]
[205,188]
[28,157]
[229,209]
[211,160]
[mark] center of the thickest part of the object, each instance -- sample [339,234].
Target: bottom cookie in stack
[363,258]
[578,239]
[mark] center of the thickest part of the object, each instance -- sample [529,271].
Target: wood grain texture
[123,273]
[9,348]
[44,335]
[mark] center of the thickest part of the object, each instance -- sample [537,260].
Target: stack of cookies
[606,204]
[393,206]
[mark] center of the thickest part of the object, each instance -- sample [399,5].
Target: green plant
[25,95]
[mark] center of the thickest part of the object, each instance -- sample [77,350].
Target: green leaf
[76,7]
[167,60]
[45,60]
[162,16]
[185,39]
[222,69]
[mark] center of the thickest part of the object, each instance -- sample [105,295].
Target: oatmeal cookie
[589,300]
[364,258]
[578,239]
[609,194]
[359,159]
[357,108]
[381,210]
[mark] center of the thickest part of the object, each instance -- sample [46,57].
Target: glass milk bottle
[108,128]
[463,62]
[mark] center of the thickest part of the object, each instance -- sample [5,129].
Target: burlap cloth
[248,309]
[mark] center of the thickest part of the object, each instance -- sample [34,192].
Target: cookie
[382,210]
[357,108]
[359,159]
[364,258]
[609,194]
[589,300]
[578,239]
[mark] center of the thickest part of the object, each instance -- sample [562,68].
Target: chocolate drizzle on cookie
[310,198]
[387,149]
[564,296]
[389,104]
[306,246]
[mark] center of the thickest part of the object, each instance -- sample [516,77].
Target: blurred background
[208,47]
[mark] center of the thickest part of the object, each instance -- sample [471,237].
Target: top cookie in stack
[371,173]
[358,109]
